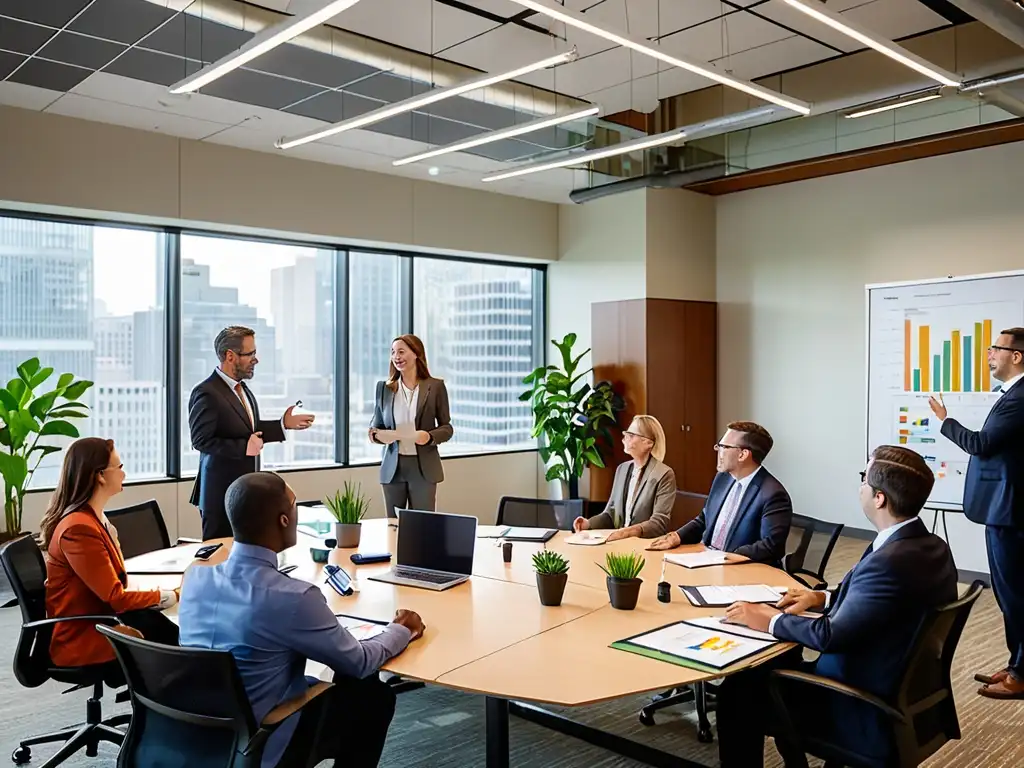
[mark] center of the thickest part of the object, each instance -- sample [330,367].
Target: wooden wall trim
[870,157]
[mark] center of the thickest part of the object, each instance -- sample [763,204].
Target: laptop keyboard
[433,578]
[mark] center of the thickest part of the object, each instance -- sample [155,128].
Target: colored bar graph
[968,364]
[923,341]
[986,374]
[946,382]
[917,379]
[936,373]
[977,356]
[955,364]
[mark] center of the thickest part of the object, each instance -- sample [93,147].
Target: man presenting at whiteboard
[994,497]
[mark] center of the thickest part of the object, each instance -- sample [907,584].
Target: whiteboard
[932,336]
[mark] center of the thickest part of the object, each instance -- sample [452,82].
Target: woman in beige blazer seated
[644,490]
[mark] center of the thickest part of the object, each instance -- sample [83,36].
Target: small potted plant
[348,506]
[623,583]
[552,573]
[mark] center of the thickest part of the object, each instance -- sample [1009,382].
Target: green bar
[947,366]
[936,373]
[968,364]
[917,379]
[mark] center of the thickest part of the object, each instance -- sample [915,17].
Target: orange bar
[986,374]
[906,355]
[977,358]
[922,357]
[956,361]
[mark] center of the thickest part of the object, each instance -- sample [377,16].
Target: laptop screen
[437,541]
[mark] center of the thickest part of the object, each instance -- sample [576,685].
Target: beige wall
[49,160]
[793,261]
[680,245]
[472,486]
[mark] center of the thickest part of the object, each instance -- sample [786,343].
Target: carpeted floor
[443,729]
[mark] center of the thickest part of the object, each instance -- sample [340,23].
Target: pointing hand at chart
[938,407]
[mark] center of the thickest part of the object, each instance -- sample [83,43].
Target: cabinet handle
[685,427]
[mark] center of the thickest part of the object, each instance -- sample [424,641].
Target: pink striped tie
[725,517]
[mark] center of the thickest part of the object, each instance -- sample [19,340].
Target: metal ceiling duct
[378,55]
[1003,16]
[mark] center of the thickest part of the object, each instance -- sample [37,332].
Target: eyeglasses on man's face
[726,446]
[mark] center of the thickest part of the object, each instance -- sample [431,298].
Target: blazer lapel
[389,407]
[421,400]
[749,495]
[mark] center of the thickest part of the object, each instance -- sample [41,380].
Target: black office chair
[191,709]
[920,718]
[23,563]
[809,555]
[539,513]
[141,529]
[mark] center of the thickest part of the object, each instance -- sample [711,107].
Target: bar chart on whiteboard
[931,338]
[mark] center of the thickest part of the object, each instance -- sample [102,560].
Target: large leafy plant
[573,416]
[27,421]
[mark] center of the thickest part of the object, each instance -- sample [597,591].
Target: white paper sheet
[491,531]
[359,629]
[174,560]
[588,538]
[719,623]
[406,431]
[748,593]
[705,646]
[698,559]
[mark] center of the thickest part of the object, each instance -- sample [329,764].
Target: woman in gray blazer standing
[412,402]
[644,489]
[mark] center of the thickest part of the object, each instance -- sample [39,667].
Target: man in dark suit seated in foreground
[866,628]
[748,512]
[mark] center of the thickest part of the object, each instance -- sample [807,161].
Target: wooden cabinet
[661,355]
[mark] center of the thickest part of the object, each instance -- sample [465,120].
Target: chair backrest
[140,528]
[810,545]
[25,568]
[189,706]
[925,694]
[539,513]
[687,506]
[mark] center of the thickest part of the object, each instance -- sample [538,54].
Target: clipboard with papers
[707,644]
[722,596]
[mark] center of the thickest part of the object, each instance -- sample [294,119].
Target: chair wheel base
[704,736]
[21,755]
[646,718]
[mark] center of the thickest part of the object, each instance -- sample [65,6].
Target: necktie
[725,517]
[998,390]
[245,403]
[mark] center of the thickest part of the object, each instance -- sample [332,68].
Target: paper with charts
[588,538]
[698,559]
[928,338]
[715,648]
[360,629]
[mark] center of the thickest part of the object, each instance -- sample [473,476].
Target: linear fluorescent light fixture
[707,128]
[640,45]
[269,38]
[894,105]
[502,133]
[817,10]
[423,100]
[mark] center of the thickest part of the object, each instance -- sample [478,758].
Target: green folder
[625,645]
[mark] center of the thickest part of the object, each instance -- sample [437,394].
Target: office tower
[114,336]
[131,413]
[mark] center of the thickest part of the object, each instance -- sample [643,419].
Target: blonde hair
[650,427]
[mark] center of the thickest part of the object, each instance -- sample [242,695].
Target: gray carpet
[437,728]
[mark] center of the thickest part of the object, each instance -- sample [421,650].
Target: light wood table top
[491,635]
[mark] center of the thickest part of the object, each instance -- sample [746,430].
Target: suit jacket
[867,632]
[220,430]
[994,487]
[761,526]
[654,499]
[432,416]
[85,576]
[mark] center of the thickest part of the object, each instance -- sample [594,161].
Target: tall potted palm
[573,417]
[28,420]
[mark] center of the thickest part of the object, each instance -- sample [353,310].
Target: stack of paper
[716,596]
[588,538]
[698,559]
[360,629]
[491,531]
[406,431]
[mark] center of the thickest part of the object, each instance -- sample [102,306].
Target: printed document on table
[360,629]
[698,559]
[491,531]
[588,538]
[719,623]
[711,647]
[717,596]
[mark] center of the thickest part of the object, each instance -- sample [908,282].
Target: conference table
[491,636]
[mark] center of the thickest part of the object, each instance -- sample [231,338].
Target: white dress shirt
[739,488]
[246,406]
[1007,384]
[405,402]
[634,478]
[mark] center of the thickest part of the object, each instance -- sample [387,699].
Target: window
[285,293]
[88,300]
[458,305]
[374,307]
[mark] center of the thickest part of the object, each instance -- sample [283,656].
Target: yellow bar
[923,361]
[956,361]
[986,374]
[978,353]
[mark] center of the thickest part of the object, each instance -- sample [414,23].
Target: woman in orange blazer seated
[85,572]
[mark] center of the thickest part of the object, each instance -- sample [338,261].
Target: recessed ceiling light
[433,170]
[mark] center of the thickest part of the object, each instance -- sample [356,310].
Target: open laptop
[435,550]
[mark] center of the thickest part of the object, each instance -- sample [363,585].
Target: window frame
[342,275]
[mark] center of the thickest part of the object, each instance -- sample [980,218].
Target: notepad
[719,596]
[528,534]
[689,644]
[174,560]
[588,538]
[361,629]
[719,623]
[491,531]
[698,559]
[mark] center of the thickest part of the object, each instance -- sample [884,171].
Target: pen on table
[662,568]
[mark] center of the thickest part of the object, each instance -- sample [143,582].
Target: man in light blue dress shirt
[272,624]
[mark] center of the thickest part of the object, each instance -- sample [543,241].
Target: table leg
[945,530]
[496,718]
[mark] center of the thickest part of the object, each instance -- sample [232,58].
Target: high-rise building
[302,304]
[132,414]
[114,348]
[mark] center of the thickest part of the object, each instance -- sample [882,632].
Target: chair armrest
[111,620]
[815,582]
[280,713]
[840,688]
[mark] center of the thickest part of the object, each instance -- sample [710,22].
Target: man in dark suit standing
[748,512]
[224,420]
[994,497]
[866,627]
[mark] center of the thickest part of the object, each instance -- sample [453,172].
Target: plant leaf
[10,402]
[46,450]
[41,406]
[17,388]
[14,469]
[28,369]
[61,413]
[65,428]
[40,377]
[65,380]
[77,389]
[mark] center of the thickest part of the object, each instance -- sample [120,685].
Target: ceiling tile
[783,13]
[260,89]
[895,19]
[420,25]
[50,75]
[126,21]
[152,67]
[73,105]
[506,48]
[195,38]
[20,37]
[333,107]
[776,57]
[83,51]
[310,66]
[26,96]
[386,88]
[53,13]
[8,61]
